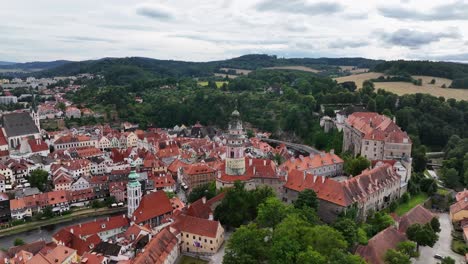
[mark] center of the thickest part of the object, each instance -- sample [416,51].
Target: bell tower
[133,191]
[235,160]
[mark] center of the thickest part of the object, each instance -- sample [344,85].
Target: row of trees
[283,233]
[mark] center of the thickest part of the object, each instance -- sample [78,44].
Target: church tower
[133,191]
[235,160]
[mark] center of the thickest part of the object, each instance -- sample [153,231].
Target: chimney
[210,216]
[254,170]
[203,200]
[301,157]
[219,174]
[264,162]
[315,178]
[72,231]
[305,174]
[323,179]
[332,151]
[250,162]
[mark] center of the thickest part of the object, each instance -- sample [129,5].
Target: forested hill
[196,69]
[32,66]
[458,72]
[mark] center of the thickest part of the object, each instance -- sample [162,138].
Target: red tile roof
[158,249]
[347,192]
[378,245]
[312,161]
[417,215]
[38,145]
[377,127]
[197,226]
[152,205]
[99,225]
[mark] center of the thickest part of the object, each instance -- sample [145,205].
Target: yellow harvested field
[359,78]
[295,68]
[401,88]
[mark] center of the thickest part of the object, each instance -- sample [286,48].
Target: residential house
[197,174]
[162,248]
[199,235]
[80,184]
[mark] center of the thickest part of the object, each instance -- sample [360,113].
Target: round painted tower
[235,160]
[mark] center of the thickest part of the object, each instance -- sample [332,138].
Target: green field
[415,200]
[190,260]
[218,83]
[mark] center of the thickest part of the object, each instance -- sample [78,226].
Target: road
[298,147]
[218,256]
[442,247]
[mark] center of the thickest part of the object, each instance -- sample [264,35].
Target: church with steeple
[252,172]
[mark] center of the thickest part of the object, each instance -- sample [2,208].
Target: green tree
[450,177]
[356,165]
[248,244]
[47,212]
[419,159]
[378,222]
[271,212]
[18,242]
[311,256]
[408,248]
[61,106]
[206,190]
[39,178]
[423,235]
[348,229]
[371,105]
[435,224]
[395,257]
[307,198]
[447,260]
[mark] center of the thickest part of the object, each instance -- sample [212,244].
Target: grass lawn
[190,260]
[415,200]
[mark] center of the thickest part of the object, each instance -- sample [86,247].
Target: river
[44,233]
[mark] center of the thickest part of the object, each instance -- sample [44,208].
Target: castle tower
[133,191]
[235,160]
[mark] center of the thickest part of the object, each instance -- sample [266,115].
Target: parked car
[437,256]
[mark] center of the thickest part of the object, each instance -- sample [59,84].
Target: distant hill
[31,66]
[458,72]
[2,63]
[198,69]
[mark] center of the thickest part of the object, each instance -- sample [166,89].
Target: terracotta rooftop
[158,249]
[197,226]
[417,215]
[378,245]
[152,205]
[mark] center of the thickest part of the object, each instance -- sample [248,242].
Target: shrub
[459,246]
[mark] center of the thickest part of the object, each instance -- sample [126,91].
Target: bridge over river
[297,147]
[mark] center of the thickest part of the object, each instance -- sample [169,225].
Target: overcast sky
[33,30]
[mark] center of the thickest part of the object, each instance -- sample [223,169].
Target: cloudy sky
[217,29]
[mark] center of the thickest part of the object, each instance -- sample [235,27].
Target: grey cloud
[155,12]
[414,39]
[342,44]
[356,16]
[128,27]
[453,11]
[299,7]
[84,39]
[204,37]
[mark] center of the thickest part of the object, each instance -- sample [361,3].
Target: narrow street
[442,247]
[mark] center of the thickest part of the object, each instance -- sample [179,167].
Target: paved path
[217,258]
[442,247]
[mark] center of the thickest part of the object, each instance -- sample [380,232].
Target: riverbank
[61,219]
